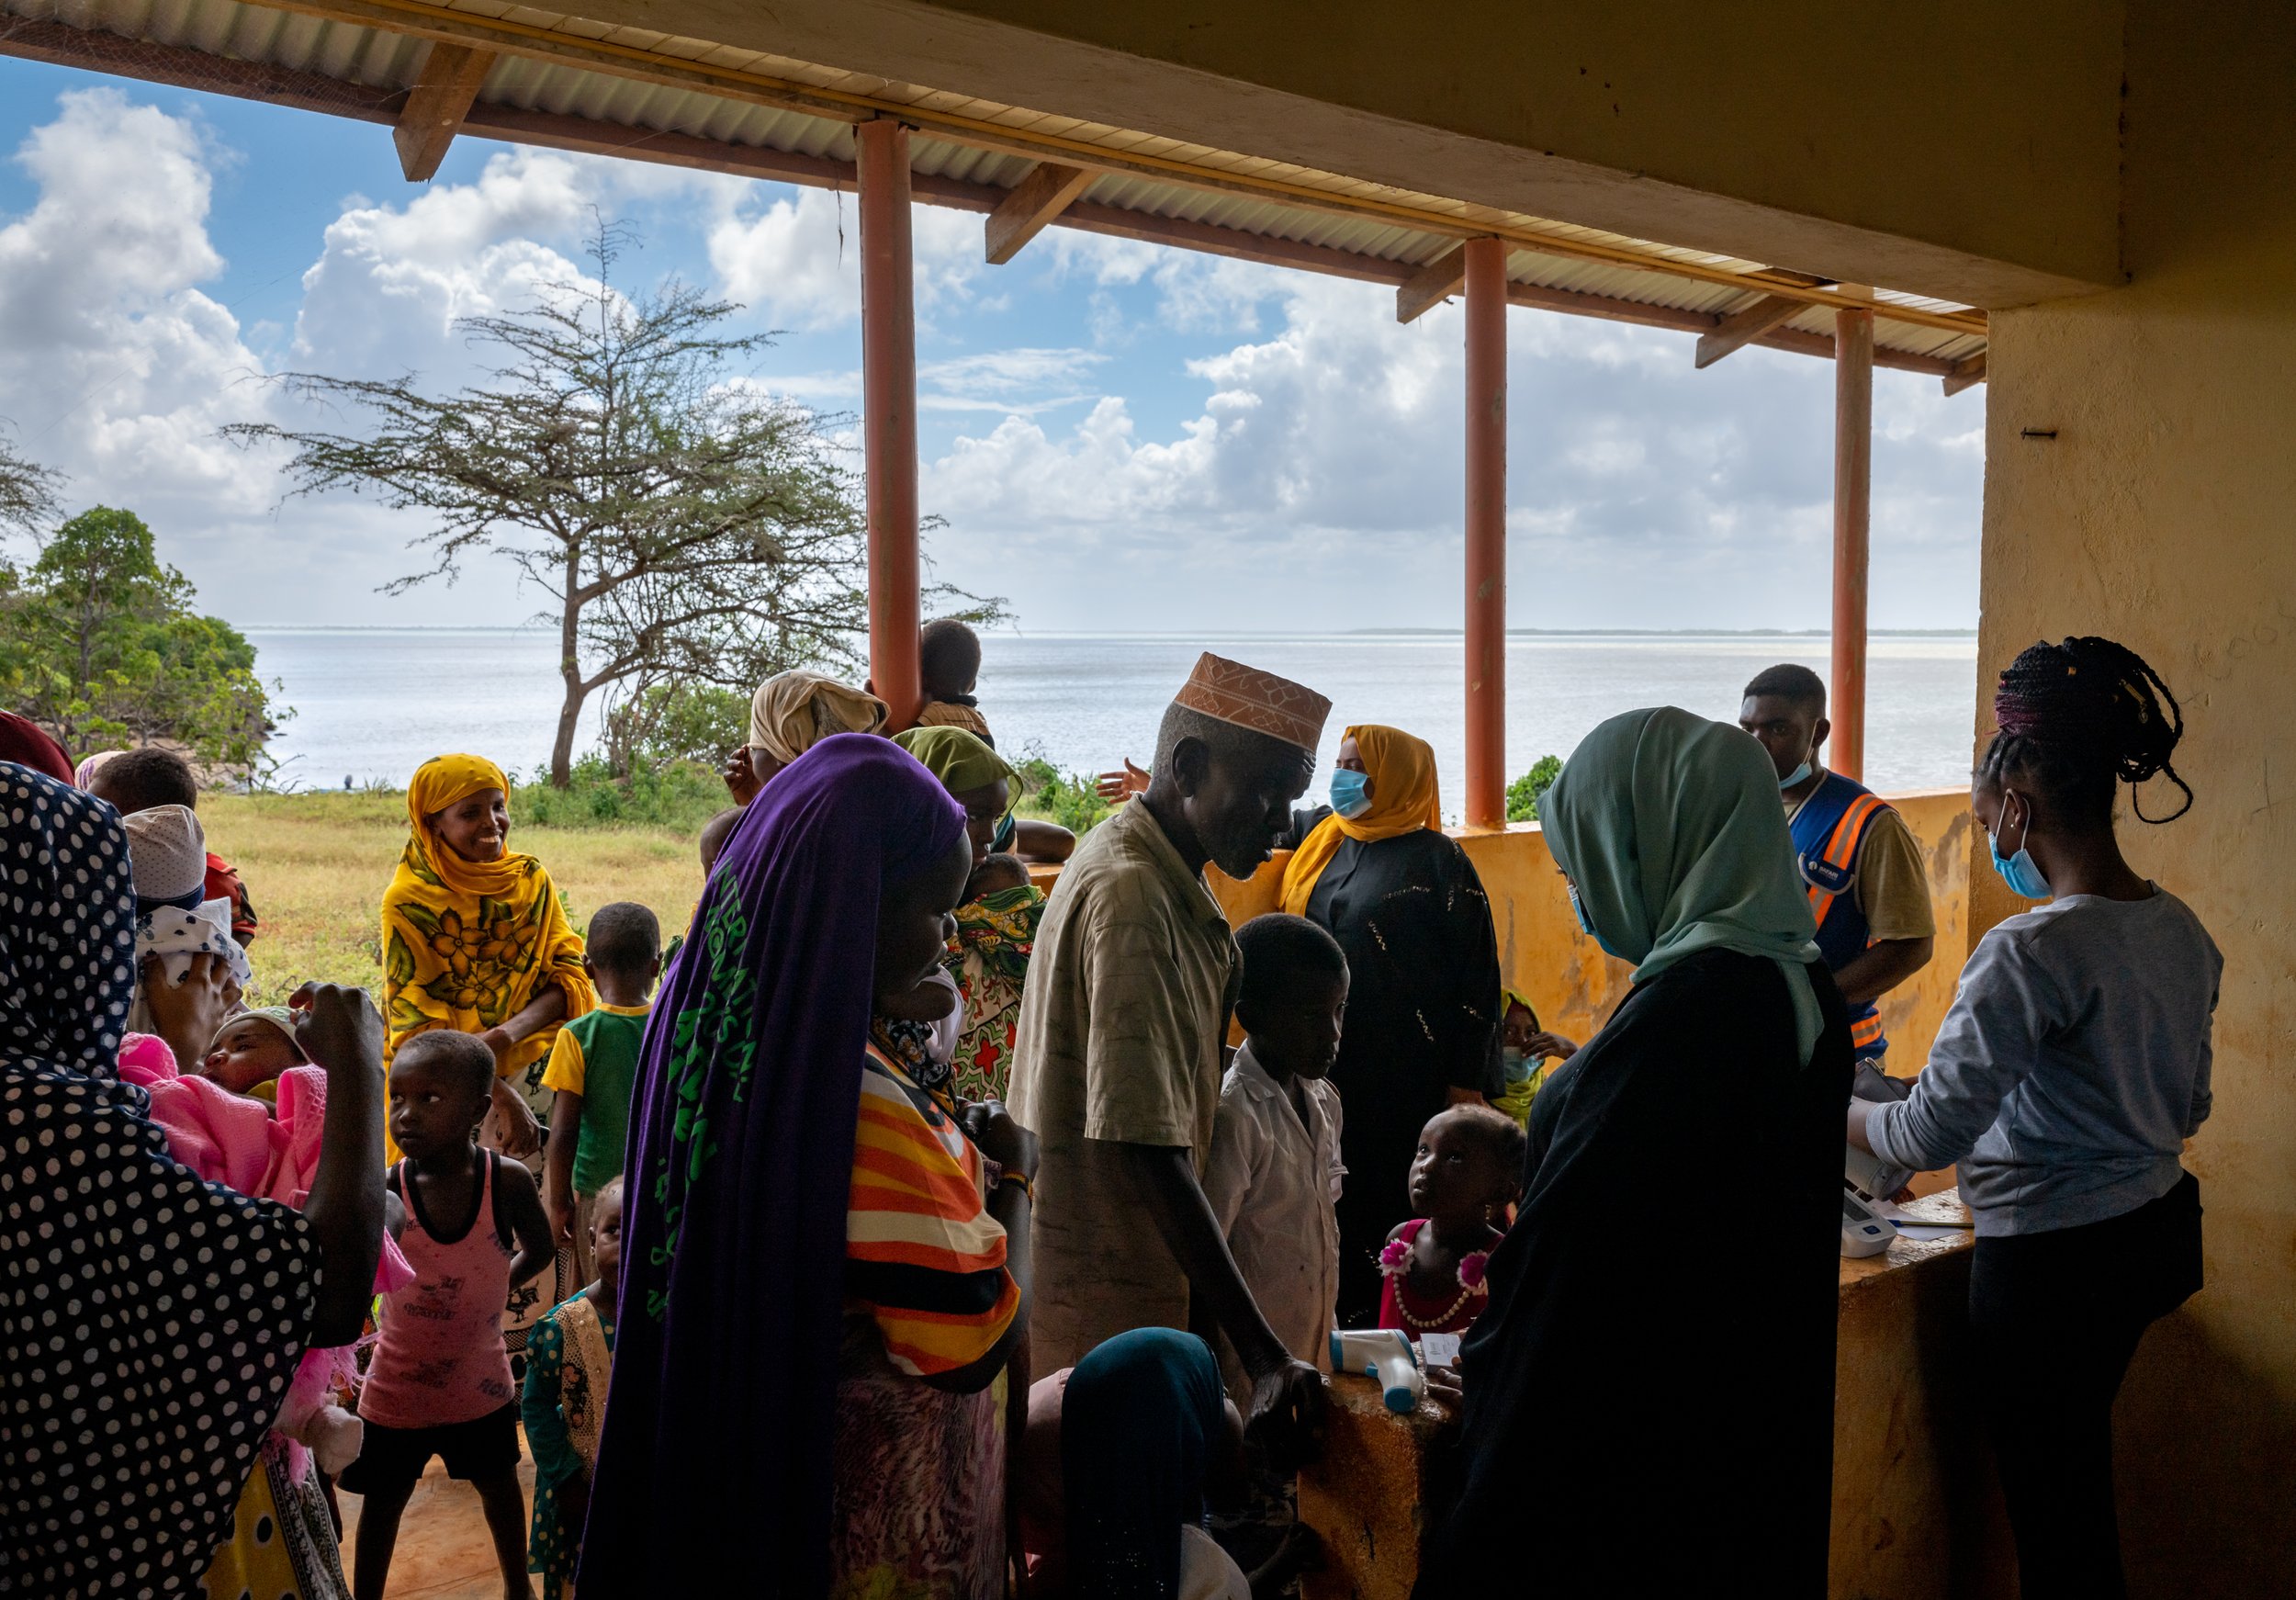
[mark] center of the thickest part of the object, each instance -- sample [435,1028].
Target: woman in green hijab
[1660,1382]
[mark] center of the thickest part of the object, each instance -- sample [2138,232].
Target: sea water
[372,705]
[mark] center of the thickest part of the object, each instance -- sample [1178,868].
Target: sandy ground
[443,1552]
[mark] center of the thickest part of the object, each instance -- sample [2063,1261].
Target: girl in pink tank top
[441,1359]
[440,1382]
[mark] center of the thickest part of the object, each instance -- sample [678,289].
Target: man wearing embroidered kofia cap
[1118,1055]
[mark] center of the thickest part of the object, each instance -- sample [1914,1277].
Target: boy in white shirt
[1273,1180]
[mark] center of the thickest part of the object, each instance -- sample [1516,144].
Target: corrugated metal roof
[349,56]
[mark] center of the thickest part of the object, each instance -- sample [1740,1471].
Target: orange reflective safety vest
[1829,831]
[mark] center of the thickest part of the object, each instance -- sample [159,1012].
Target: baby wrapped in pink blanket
[271,1154]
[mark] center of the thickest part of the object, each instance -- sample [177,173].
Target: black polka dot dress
[149,1322]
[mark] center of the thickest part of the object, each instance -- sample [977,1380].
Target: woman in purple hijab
[818,1303]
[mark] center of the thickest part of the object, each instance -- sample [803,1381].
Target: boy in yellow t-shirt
[593,1073]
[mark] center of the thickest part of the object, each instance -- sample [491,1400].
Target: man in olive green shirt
[1118,1055]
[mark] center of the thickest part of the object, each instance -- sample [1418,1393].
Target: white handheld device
[1386,1355]
[1864,1231]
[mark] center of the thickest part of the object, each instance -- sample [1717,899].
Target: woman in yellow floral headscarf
[1422,1030]
[474,938]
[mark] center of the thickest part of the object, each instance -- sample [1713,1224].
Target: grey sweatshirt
[2072,1068]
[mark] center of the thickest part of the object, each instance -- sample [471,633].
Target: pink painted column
[889,416]
[1486,532]
[1853,497]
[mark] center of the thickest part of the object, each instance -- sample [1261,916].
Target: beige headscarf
[793,711]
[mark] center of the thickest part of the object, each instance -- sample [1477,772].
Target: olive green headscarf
[1671,830]
[960,759]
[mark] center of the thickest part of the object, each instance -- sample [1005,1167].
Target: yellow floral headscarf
[468,945]
[1403,800]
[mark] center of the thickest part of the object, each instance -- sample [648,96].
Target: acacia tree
[28,491]
[687,526]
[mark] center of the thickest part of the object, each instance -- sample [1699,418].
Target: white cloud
[114,366]
[1330,453]
[392,280]
[797,258]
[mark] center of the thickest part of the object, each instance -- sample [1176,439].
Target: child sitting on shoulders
[1273,1180]
[593,1073]
[570,1361]
[1468,1172]
[949,663]
[440,1380]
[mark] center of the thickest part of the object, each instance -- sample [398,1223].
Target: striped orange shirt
[922,1253]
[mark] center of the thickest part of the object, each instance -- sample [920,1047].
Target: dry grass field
[316,866]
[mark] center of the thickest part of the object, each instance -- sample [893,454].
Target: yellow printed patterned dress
[468,945]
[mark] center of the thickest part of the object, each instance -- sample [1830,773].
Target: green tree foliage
[1050,794]
[99,643]
[1524,793]
[682,720]
[689,526]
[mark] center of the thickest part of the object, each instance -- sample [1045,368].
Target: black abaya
[1651,1386]
[1423,1017]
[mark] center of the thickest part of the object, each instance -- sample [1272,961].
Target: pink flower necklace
[1395,1262]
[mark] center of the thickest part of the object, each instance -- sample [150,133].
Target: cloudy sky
[1118,436]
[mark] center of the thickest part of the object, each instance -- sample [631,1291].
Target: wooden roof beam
[1967,373]
[1431,285]
[1744,325]
[444,89]
[1045,191]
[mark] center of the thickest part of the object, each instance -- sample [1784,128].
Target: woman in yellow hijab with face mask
[475,940]
[1422,1028]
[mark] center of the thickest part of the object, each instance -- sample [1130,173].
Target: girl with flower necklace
[1465,1175]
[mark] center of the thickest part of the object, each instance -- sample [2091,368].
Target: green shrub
[1049,794]
[1524,793]
[677,794]
[681,721]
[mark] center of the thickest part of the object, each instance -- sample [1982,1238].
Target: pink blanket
[243,1143]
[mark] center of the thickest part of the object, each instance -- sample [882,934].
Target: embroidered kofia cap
[167,852]
[1231,691]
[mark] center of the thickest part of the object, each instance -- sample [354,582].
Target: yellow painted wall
[2164,515]
[1544,956]
[1961,147]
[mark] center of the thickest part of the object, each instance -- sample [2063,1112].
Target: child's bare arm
[528,1225]
[558,1165]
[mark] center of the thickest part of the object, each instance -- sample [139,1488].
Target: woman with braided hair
[2071,1070]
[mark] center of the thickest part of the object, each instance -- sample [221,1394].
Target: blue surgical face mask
[1586,923]
[1514,1063]
[1348,796]
[2019,872]
[1794,777]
